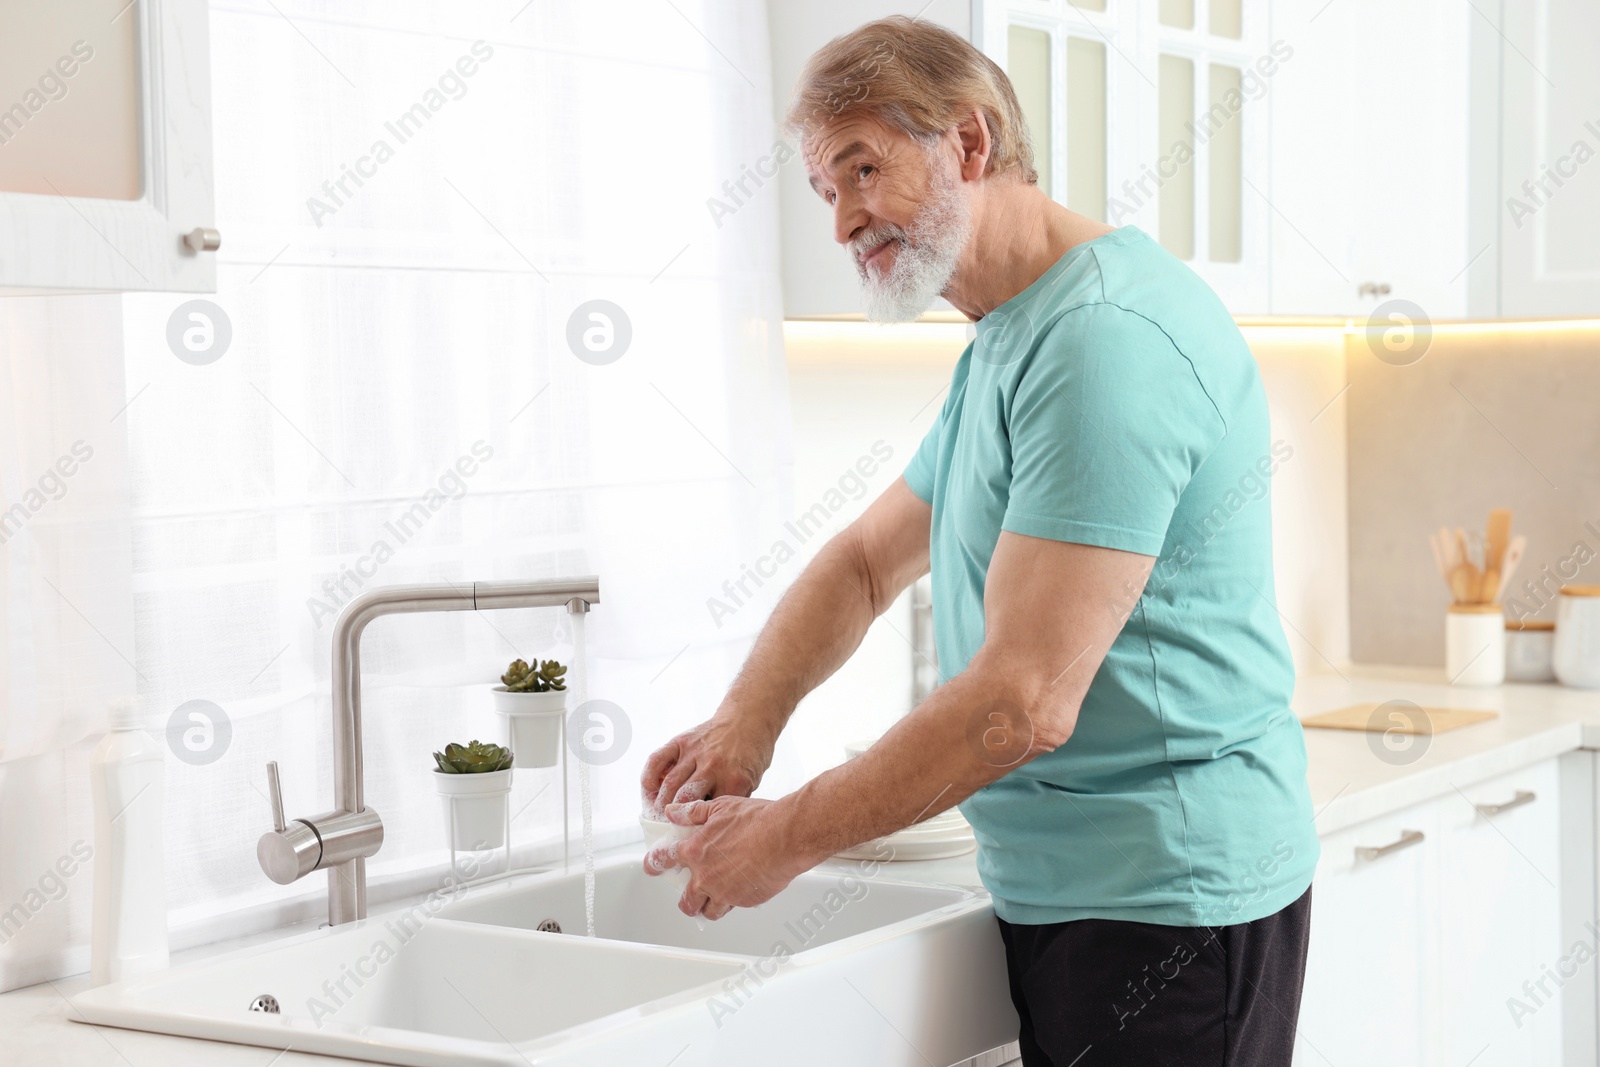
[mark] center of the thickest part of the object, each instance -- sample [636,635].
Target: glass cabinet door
[105,147]
[1060,58]
[69,100]
[1151,113]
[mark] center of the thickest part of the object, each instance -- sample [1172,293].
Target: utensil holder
[1475,644]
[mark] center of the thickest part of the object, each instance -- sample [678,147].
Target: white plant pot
[532,725]
[475,808]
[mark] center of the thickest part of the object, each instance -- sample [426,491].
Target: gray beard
[926,259]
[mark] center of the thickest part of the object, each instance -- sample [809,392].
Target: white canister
[1530,647]
[1475,644]
[1576,657]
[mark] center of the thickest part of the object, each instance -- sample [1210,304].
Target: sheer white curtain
[66,610]
[414,201]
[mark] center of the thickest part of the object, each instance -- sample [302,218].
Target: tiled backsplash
[1486,418]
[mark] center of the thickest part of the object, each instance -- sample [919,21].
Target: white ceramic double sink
[841,967]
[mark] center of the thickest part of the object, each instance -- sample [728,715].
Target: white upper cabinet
[1152,114]
[1383,145]
[1437,152]
[105,147]
[1304,157]
[1549,223]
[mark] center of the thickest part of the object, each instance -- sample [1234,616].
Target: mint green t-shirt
[1114,403]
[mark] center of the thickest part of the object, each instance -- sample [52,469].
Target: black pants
[1103,993]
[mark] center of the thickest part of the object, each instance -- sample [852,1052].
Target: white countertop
[1350,782]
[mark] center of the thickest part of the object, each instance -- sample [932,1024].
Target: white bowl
[657,830]
[674,880]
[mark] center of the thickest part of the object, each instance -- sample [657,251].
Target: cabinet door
[1500,914]
[1384,148]
[1204,142]
[1072,67]
[1315,122]
[105,146]
[1153,115]
[1413,181]
[1549,224]
[1368,998]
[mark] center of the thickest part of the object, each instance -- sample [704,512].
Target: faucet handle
[277,795]
[288,853]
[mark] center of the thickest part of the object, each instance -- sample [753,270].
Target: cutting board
[1359,717]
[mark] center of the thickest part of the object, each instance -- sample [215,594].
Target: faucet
[339,841]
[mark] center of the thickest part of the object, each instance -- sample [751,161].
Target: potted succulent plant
[474,780]
[533,700]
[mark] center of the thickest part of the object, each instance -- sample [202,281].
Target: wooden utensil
[1447,548]
[1489,586]
[1508,566]
[1464,583]
[1498,537]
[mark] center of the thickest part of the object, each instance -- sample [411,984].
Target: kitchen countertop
[1353,777]
[1351,782]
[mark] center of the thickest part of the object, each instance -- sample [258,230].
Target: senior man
[1114,719]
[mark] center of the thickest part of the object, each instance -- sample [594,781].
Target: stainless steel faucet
[339,841]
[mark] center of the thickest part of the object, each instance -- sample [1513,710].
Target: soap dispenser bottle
[129,932]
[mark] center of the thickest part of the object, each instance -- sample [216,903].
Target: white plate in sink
[946,834]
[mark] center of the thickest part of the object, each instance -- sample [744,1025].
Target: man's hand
[817,624]
[724,756]
[738,858]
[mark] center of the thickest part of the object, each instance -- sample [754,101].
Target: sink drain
[549,926]
[265,1002]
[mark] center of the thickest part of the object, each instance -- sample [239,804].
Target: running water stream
[575,748]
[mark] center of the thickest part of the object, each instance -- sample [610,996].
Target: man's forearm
[1053,609]
[816,626]
[970,732]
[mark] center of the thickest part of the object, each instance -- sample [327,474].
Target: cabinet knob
[203,239]
[1373,289]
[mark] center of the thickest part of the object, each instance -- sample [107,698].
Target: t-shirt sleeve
[1107,425]
[919,473]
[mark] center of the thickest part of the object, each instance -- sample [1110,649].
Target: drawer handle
[1406,839]
[1518,799]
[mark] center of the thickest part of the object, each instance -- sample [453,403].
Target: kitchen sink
[820,908]
[842,967]
[428,992]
